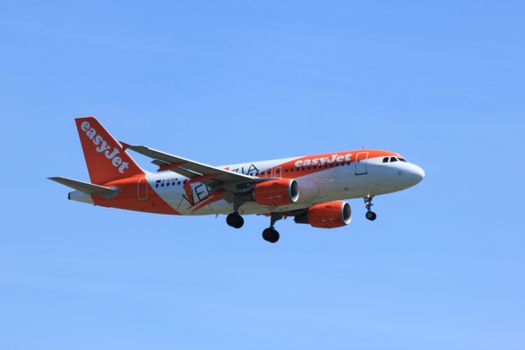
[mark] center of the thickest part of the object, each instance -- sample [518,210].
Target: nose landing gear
[370,215]
[270,234]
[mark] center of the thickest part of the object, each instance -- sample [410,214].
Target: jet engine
[326,215]
[276,192]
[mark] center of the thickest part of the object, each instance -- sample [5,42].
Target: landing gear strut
[271,234]
[235,220]
[370,215]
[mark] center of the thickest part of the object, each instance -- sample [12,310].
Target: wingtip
[124,145]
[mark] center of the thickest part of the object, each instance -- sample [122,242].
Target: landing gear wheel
[270,235]
[235,220]
[370,215]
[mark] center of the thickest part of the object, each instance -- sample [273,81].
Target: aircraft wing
[200,172]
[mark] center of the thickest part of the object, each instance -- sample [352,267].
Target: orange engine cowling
[276,192]
[326,215]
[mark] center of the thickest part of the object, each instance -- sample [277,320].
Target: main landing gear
[370,215]
[271,234]
[235,220]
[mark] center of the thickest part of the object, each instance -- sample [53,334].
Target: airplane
[312,188]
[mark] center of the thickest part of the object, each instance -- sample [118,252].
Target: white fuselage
[345,181]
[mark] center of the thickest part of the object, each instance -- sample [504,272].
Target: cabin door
[361,167]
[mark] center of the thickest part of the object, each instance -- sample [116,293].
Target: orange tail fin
[105,157]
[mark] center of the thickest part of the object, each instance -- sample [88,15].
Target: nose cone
[414,174]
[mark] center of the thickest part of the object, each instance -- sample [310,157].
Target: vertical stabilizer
[105,157]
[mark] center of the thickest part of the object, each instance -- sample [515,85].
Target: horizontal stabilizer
[87,188]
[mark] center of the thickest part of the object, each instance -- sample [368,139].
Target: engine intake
[276,192]
[326,215]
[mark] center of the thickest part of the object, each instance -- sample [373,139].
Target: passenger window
[393,159]
[385,160]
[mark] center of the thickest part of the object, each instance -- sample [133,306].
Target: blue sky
[441,82]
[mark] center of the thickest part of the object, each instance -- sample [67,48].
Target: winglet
[125,146]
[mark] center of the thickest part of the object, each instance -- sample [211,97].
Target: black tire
[370,215]
[270,235]
[235,220]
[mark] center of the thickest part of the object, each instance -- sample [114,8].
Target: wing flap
[179,170]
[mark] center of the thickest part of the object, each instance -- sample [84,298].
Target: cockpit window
[394,159]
